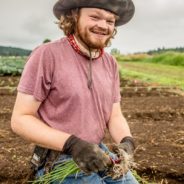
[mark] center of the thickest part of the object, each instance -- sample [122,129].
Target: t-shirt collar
[72,40]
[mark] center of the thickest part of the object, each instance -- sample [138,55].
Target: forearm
[118,128]
[34,130]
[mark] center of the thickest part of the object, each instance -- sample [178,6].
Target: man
[69,90]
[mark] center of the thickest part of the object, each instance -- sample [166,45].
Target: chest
[71,78]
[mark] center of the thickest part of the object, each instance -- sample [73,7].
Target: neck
[85,49]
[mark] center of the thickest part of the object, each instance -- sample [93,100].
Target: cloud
[26,23]
[156,23]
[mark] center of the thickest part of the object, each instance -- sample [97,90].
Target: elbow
[14,123]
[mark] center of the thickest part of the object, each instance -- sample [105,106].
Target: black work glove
[125,152]
[89,157]
[128,145]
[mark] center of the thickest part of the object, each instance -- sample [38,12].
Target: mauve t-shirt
[56,75]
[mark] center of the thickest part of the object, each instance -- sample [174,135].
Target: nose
[102,24]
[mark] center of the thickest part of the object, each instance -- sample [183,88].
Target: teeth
[99,33]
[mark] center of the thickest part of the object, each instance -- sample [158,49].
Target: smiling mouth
[99,33]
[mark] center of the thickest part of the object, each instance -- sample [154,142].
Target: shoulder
[111,60]
[110,57]
[51,47]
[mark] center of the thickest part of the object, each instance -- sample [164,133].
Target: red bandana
[77,49]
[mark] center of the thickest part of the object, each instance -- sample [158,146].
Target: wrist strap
[129,140]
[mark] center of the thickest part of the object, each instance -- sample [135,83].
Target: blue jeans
[93,178]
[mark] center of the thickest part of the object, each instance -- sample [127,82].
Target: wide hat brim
[123,8]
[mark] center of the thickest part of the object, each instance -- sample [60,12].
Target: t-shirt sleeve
[37,74]
[116,90]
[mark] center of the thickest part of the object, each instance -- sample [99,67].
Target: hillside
[13,51]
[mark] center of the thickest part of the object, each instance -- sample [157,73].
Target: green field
[159,74]
[11,65]
[165,69]
[166,58]
[168,72]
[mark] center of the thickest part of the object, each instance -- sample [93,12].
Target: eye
[111,22]
[94,17]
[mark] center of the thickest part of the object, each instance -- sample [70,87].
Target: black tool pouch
[43,158]
[39,158]
[52,157]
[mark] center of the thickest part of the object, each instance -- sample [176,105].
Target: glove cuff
[130,141]
[68,146]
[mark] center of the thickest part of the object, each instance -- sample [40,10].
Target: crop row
[11,65]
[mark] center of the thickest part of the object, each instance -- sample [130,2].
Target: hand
[124,161]
[127,144]
[126,150]
[89,157]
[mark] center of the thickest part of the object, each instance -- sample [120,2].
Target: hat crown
[123,8]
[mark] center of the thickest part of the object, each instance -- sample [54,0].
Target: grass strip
[151,78]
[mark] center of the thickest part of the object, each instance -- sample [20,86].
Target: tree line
[13,51]
[162,50]
[116,51]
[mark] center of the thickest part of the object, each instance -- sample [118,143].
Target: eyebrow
[110,16]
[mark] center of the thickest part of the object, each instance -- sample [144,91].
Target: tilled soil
[156,119]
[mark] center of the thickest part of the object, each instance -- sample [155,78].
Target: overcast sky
[157,23]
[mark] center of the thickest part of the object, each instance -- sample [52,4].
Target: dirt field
[156,119]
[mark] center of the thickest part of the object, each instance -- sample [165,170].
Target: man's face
[95,27]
